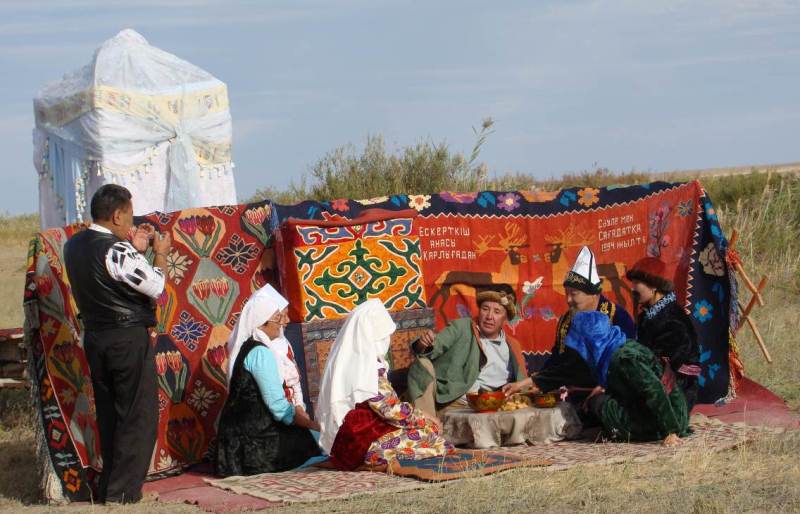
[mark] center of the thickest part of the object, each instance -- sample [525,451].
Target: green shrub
[424,168]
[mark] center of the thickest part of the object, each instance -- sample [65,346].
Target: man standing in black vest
[114,286]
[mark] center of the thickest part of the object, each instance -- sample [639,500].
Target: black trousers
[122,365]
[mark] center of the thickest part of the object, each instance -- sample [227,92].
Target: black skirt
[249,439]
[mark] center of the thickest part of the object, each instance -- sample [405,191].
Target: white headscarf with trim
[257,310]
[287,367]
[351,372]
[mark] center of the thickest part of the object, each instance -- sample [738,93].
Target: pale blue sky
[650,85]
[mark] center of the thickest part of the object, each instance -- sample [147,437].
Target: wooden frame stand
[756,297]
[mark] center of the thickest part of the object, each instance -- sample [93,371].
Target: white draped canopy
[135,116]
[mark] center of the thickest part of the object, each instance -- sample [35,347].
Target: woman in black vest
[263,427]
[663,326]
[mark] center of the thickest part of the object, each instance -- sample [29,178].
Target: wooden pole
[752,303]
[757,334]
[732,240]
[756,298]
[749,283]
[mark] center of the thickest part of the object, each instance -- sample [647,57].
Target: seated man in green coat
[466,356]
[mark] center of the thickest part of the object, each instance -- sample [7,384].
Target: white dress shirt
[497,371]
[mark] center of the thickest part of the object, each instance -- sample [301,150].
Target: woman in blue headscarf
[636,397]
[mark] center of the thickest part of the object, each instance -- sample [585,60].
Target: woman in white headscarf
[362,420]
[263,426]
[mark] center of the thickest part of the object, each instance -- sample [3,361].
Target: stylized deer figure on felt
[467,282]
[565,238]
[574,236]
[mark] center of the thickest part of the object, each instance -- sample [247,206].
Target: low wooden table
[531,425]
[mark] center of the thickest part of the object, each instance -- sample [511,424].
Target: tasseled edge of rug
[735,364]
[49,484]
[735,370]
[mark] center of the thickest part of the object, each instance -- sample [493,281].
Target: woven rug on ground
[709,435]
[315,484]
[462,464]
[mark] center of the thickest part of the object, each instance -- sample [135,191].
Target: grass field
[759,477]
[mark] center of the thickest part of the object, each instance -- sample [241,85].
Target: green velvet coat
[638,407]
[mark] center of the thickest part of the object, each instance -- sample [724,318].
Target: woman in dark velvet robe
[663,326]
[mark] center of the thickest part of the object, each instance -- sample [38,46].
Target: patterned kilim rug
[315,484]
[463,464]
[709,435]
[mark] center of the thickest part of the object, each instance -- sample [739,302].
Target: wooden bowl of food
[486,402]
[545,400]
[515,402]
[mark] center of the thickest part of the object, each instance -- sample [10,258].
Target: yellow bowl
[486,402]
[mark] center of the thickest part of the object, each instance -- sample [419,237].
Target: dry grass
[18,471]
[18,476]
[759,477]
[778,325]
[15,232]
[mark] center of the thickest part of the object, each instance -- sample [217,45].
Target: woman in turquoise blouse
[263,426]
